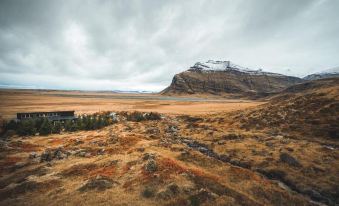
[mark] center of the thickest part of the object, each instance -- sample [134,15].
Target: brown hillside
[310,108]
[230,81]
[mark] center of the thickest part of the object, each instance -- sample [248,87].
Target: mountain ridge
[225,77]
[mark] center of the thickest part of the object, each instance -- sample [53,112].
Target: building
[53,116]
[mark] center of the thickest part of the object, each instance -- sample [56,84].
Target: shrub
[135,116]
[11,125]
[46,127]
[69,126]
[56,128]
[153,116]
[26,127]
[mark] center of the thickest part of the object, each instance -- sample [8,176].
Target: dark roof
[72,111]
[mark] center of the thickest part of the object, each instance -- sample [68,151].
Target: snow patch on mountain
[219,66]
[329,73]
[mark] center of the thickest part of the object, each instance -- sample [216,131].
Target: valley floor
[198,153]
[14,101]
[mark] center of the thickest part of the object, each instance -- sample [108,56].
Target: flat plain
[13,101]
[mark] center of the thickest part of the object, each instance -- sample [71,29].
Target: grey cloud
[97,44]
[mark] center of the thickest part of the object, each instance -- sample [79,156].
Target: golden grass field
[14,101]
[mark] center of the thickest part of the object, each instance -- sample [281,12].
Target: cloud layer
[141,44]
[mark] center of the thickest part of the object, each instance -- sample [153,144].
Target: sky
[141,44]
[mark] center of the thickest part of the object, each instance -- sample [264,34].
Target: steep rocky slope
[217,77]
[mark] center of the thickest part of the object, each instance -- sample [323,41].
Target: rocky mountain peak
[222,66]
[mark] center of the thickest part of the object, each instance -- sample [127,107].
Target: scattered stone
[286,158]
[151,166]
[98,183]
[152,130]
[33,155]
[50,154]
[17,166]
[172,129]
[225,158]
[148,156]
[221,142]
[113,139]
[59,154]
[269,144]
[100,152]
[279,137]
[184,154]
[78,141]
[82,153]
[46,156]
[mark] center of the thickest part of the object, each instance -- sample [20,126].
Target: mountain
[330,73]
[218,77]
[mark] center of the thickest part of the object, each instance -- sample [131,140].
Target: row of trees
[43,126]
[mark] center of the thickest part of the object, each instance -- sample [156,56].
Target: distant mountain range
[330,73]
[225,77]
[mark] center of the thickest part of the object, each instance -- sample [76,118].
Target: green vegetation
[43,126]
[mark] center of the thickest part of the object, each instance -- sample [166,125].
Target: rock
[269,144]
[78,141]
[172,129]
[50,154]
[33,155]
[151,166]
[286,158]
[171,191]
[113,139]
[46,156]
[148,156]
[279,137]
[184,154]
[225,158]
[152,130]
[99,183]
[59,154]
[100,152]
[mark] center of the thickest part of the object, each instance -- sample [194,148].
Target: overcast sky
[140,45]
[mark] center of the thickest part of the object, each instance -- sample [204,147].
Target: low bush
[46,127]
